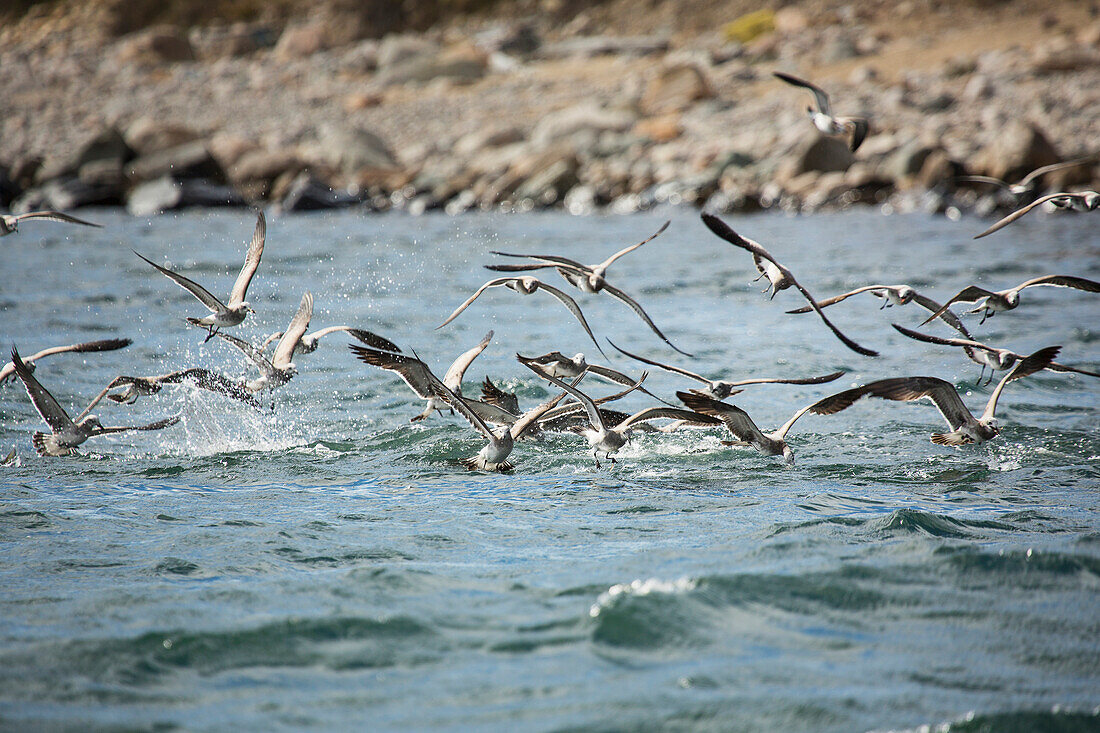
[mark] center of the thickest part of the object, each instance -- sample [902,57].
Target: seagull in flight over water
[235,311]
[8,371]
[67,433]
[1078,201]
[779,277]
[9,223]
[991,302]
[279,369]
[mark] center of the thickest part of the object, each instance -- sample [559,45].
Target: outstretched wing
[627,250]
[616,293]
[820,96]
[1021,211]
[1027,366]
[55,216]
[836,331]
[736,420]
[205,296]
[48,407]
[491,284]
[966,295]
[666,367]
[414,372]
[672,413]
[284,352]
[251,262]
[838,298]
[453,377]
[1063,281]
[929,338]
[159,424]
[373,340]
[575,309]
[823,379]
[248,350]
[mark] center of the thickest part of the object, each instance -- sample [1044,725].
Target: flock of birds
[497,415]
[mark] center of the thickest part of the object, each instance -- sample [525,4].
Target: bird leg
[210,333]
[596,457]
[981,374]
[610,457]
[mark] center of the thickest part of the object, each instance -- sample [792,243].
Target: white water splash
[640,587]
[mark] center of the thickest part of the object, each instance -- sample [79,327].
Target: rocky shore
[521,113]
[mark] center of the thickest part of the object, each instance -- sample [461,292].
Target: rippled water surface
[328,564]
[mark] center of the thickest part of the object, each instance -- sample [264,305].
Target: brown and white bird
[745,430]
[526,286]
[720,389]
[855,128]
[779,277]
[1077,201]
[8,370]
[9,223]
[892,295]
[964,427]
[991,302]
[223,315]
[590,278]
[67,433]
[135,387]
[987,356]
[1029,183]
[279,369]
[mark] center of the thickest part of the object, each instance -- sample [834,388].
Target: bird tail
[475,463]
[952,439]
[47,445]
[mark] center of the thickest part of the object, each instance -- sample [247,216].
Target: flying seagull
[135,387]
[557,364]
[223,314]
[720,389]
[987,356]
[965,428]
[992,301]
[1028,183]
[778,276]
[606,437]
[8,370]
[9,223]
[493,457]
[590,278]
[823,118]
[279,369]
[418,376]
[309,343]
[744,429]
[66,433]
[525,286]
[1078,201]
[894,295]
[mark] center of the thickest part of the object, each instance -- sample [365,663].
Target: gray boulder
[167,193]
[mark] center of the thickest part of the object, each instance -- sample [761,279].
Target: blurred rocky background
[522,104]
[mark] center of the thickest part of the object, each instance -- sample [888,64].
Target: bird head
[247,307]
[788,455]
[905,294]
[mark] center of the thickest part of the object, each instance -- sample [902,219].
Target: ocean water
[326,564]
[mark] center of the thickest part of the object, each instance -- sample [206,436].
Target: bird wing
[1062,281]
[55,216]
[373,340]
[284,351]
[1027,366]
[551,357]
[942,393]
[491,284]
[414,372]
[860,128]
[984,179]
[321,333]
[453,377]
[251,262]
[159,424]
[205,296]
[627,250]
[520,268]
[666,367]
[1023,210]
[966,295]
[594,416]
[946,314]
[782,380]
[1055,167]
[844,339]
[547,260]
[737,420]
[248,349]
[494,395]
[532,417]
[616,293]
[820,96]
[674,413]
[210,381]
[48,407]
[575,309]
[85,347]
[837,298]
[941,340]
[1076,370]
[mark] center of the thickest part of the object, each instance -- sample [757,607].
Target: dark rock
[107,145]
[8,188]
[907,160]
[190,160]
[817,153]
[516,39]
[167,193]
[154,46]
[102,173]
[265,166]
[67,193]
[309,193]
[150,135]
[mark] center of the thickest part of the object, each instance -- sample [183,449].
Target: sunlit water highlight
[326,564]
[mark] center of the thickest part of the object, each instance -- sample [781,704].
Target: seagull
[416,374]
[603,436]
[525,286]
[987,356]
[308,343]
[278,370]
[892,295]
[720,389]
[965,428]
[590,278]
[9,223]
[135,387]
[493,457]
[223,315]
[1005,300]
[8,371]
[779,277]
[744,429]
[494,395]
[557,364]
[1028,183]
[823,118]
[65,432]
[1078,201]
